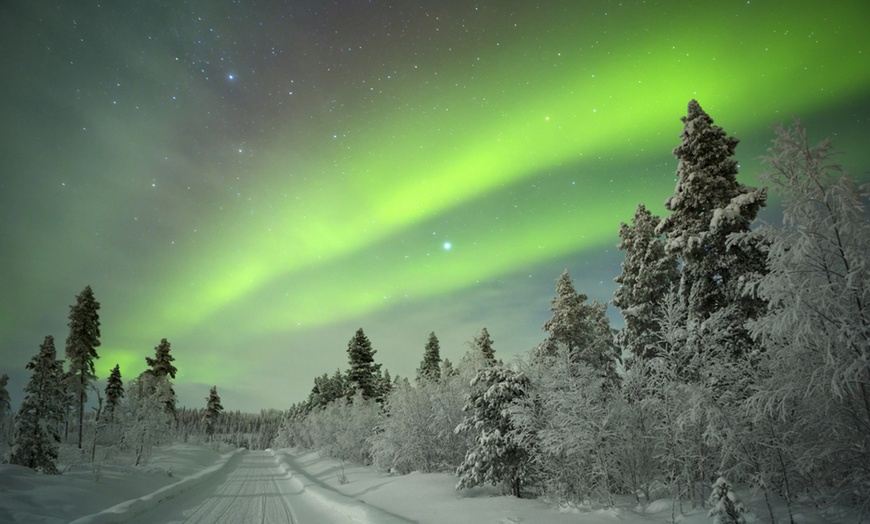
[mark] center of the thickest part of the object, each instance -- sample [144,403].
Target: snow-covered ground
[193,483]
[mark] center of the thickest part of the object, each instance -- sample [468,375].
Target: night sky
[256,180]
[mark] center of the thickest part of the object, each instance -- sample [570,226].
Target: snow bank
[126,510]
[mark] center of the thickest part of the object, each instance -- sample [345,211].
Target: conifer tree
[727,508]
[114,392]
[81,344]
[41,413]
[582,328]
[647,275]
[162,368]
[496,456]
[430,367]
[708,205]
[5,408]
[362,374]
[213,409]
[482,345]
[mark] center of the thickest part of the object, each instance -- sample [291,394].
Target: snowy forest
[744,360]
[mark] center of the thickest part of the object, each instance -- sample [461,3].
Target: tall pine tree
[647,275]
[81,344]
[708,205]
[482,345]
[42,412]
[430,367]
[363,371]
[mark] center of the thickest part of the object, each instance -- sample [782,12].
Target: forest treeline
[745,358]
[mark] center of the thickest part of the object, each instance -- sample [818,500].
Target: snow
[182,479]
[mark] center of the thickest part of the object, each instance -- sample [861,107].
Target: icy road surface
[257,487]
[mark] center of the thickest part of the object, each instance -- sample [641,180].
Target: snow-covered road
[257,487]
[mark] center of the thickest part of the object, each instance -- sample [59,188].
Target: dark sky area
[256,180]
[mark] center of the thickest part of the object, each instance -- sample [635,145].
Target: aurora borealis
[256,180]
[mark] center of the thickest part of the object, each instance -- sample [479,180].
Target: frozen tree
[5,408]
[114,392]
[581,328]
[363,371]
[35,443]
[430,367]
[328,389]
[568,424]
[816,331]
[482,345]
[213,409]
[81,344]
[162,367]
[415,432]
[726,507]
[147,420]
[647,274]
[708,205]
[496,455]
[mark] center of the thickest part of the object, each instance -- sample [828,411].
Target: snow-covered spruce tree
[726,507]
[569,425]
[816,331]
[328,389]
[81,344]
[114,393]
[482,345]
[580,327]
[708,206]
[41,412]
[430,367]
[496,456]
[213,409]
[647,274]
[5,410]
[162,367]
[363,371]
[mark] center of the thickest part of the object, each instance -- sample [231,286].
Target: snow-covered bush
[726,507]
[416,428]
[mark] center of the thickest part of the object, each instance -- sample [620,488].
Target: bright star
[447,246]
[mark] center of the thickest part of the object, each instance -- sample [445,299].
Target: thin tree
[430,367]
[114,392]
[81,344]
[213,410]
[162,368]
[482,345]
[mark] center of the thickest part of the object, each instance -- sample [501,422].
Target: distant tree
[647,274]
[328,389]
[482,345]
[430,367]
[41,413]
[162,367]
[496,455]
[5,408]
[213,409]
[581,328]
[708,206]
[114,392]
[363,371]
[81,344]
[447,370]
